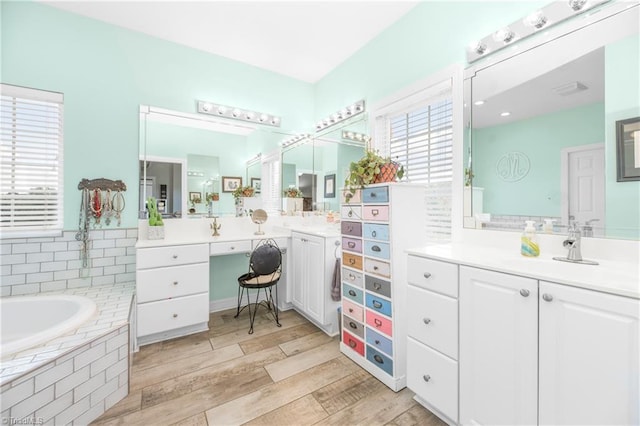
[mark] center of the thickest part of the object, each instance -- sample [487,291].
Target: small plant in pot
[156,225]
[293,192]
[244,191]
[372,168]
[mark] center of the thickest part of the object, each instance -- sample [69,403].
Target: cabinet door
[498,348]
[314,272]
[588,357]
[297,284]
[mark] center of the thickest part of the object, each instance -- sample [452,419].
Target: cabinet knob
[352,277]
[377,322]
[375,268]
[352,261]
[351,310]
[375,212]
[175,283]
[426,377]
[351,244]
[427,275]
[426,320]
[378,359]
[175,256]
[374,234]
[547,297]
[377,286]
[350,213]
[373,195]
[376,248]
[524,292]
[352,343]
[232,248]
[376,304]
[175,315]
[353,325]
[352,293]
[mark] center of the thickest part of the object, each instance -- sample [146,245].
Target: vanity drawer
[355,344]
[164,315]
[348,197]
[154,257]
[351,212]
[352,244]
[434,377]
[433,320]
[441,277]
[353,310]
[377,249]
[353,326]
[352,261]
[171,282]
[376,231]
[378,304]
[351,228]
[378,285]
[380,342]
[376,213]
[379,194]
[380,360]
[352,277]
[377,267]
[230,247]
[352,293]
[379,323]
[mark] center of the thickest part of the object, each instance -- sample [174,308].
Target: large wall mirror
[318,166]
[540,134]
[183,158]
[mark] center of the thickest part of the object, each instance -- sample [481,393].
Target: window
[31,179]
[271,191]
[420,137]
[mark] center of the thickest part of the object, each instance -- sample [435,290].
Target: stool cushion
[253,279]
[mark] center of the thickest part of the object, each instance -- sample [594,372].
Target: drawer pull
[375,212]
[373,195]
[547,297]
[375,268]
[352,277]
[352,261]
[426,377]
[352,343]
[524,292]
[175,315]
[377,304]
[175,256]
[377,342]
[427,275]
[352,293]
[351,244]
[232,248]
[375,248]
[426,320]
[350,213]
[377,322]
[350,310]
[353,325]
[378,359]
[377,286]
[349,229]
[175,283]
[374,234]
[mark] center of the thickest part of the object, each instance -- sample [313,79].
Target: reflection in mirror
[543,142]
[164,181]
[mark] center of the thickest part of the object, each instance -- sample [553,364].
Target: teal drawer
[379,342]
[375,231]
[376,249]
[379,194]
[352,293]
[378,304]
[380,360]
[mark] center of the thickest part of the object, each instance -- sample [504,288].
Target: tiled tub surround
[34,265]
[76,377]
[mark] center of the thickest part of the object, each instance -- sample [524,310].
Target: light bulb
[577,5]
[236,112]
[206,107]
[504,35]
[536,20]
[222,110]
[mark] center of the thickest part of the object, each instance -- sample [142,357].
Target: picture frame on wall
[330,186]
[230,184]
[256,184]
[195,197]
[628,149]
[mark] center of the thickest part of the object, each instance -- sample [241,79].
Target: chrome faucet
[573,243]
[588,227]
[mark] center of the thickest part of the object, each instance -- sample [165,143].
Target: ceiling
[301,39]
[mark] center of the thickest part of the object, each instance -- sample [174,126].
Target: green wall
[107,72]
[540,139]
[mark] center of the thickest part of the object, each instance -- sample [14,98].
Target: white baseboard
[232,302]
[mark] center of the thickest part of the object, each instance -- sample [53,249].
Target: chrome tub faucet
[573,243]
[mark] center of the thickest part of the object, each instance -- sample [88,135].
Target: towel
[335,284]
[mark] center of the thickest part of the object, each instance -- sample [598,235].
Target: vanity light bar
[355,136]
[544,18]
[195,174]
[345,113]
[254,159]
[235,113]
[295,139]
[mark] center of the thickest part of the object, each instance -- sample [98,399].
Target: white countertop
[610,276]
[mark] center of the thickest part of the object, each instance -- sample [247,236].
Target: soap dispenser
[547,227]
[529,241]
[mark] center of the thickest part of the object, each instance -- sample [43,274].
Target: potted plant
[243,191]
[213,196]
[156,225]
[293,192]
[372,168]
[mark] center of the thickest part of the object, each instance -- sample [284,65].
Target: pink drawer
[379,323]
[375,212]
[353,310]
[352,244]
[355,344]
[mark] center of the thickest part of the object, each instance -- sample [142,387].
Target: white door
[298,281]
[147,190]
[589,357]
[498,348]
[586,186]
[315,289]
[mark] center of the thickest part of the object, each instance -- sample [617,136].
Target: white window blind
[421,139]
[31,178]
[270,185]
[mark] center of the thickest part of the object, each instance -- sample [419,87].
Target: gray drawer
[378,285]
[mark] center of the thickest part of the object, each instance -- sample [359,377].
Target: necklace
[117,205]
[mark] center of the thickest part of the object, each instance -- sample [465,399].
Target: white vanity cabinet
[313,262]
[172,291]
[538,352]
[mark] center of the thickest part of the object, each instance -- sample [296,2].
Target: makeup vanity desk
[173,275]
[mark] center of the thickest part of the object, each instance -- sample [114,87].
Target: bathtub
[32,320]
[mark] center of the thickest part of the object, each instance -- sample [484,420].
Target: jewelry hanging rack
[102,184]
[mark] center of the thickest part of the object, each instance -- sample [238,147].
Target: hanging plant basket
[388,172]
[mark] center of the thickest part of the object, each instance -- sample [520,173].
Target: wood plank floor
[292,375]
